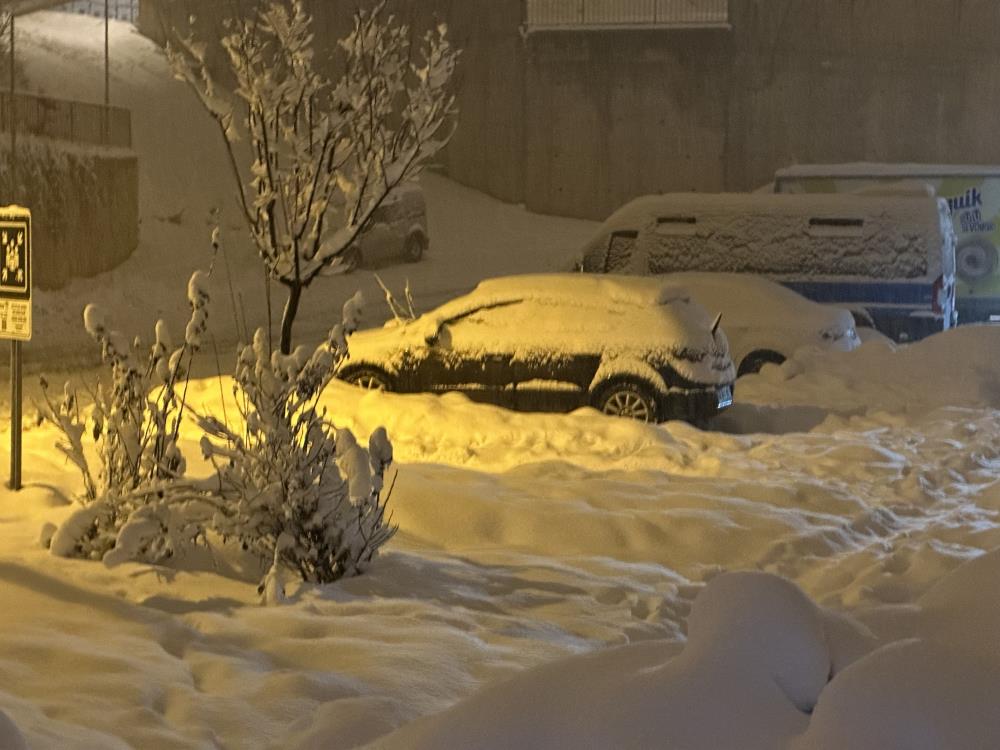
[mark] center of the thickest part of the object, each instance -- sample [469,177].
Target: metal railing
[556,14]
[77,122]
[123,10]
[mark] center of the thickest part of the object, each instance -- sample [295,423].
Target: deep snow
[558,580]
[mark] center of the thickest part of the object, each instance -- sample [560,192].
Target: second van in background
[973,197]
[891,260]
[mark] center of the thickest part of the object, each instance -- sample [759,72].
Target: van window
[676,225]
[822,226]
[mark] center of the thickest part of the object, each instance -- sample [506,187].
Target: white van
[973,197]
[891,260]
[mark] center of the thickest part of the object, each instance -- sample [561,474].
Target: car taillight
[936,293]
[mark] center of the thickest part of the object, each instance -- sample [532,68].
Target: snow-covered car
[631,347]
[396,231]
[766,321]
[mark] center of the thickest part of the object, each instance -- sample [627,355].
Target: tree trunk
[288,317]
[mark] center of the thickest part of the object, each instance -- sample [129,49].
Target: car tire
[414,247]
[351,259]
[369,378]
[754,361]
[628,398]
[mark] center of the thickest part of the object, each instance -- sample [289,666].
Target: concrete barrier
[84,203]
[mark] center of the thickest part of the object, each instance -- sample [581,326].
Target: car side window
[490,327]
[485,315]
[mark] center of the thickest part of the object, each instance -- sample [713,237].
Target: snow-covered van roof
[897,236]
[884,169]
[680,208]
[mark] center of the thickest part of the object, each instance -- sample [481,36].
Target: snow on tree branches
[296,490]
[134,427]
[314,158]
[288,485]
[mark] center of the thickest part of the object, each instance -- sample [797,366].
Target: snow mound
[755,662]
[749,659]
[915,695]
[935,686]
[954,368]
[753,674]
[766,625]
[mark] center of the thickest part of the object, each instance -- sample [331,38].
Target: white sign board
[15,273]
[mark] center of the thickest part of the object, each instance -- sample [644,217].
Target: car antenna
[715,325]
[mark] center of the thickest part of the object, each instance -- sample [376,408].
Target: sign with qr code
[15,273]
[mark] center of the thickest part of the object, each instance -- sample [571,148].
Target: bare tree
[323,154]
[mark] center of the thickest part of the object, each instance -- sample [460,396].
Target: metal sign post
[15,314]
[15,283]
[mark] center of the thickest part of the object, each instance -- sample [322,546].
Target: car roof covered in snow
[749,300]
[580,288]
[881,169]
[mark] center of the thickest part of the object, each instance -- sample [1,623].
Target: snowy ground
[547,587]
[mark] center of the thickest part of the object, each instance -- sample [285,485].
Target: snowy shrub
[314,158]
[292,488]
[126,448]
[288,486]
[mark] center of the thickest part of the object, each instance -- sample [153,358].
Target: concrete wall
[577,123]
[876,80]
[84,205]
[610,115]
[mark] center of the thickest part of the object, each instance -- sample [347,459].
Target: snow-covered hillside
[184,176]
[820,575]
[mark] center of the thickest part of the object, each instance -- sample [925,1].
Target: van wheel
[413,248]
[627,399]
[975,261]
[754,361]
[351,259]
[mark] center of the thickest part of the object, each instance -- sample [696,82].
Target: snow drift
[558,556]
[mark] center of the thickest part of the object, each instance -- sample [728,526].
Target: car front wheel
[628,399]
[369,379]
